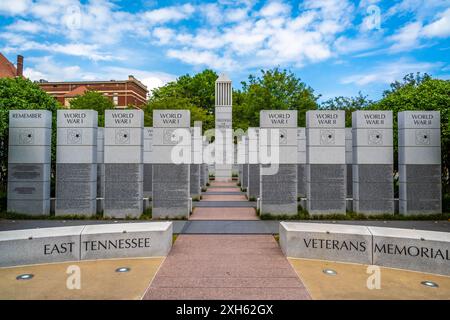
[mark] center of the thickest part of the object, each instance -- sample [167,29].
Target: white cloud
[275,8]
[202,58]
[14,7]
[407,37]
[440,27]
[169,14]
[389,72]
[26,26]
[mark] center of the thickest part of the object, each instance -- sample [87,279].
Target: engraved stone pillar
[349,161]
[29,158]
[76,163]
[419,158]
[124,174]
[373,162]
[205,166]
[148,167]
[223,122]
[195,170]
[100,167]
[253,164]
[325,158]
[301,166]
[244,183]
[171,195]
[279,187]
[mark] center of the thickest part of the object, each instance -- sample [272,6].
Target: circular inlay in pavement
[329,272]
[429,284]
[25,276]
[123,269]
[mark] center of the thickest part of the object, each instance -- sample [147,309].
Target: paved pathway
[224,201]
[226,267]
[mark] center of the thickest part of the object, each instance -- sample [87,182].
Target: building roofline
[134,80]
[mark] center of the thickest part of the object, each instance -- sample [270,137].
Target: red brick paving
[206,213]
[226,267]
[208,197]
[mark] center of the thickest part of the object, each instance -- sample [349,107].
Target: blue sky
[338,47]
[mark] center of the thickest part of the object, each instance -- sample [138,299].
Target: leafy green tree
[274,89]
[20,93]
[348,104]
[195,93]
[93,100]
[421,92]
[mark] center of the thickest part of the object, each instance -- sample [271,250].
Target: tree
[421,92]
[93,100]
[274,89]
[348,104]
[192,93]
[19,93]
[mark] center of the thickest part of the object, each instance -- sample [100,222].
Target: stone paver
[206,213]
[225,268]
[222,184]
[219,197]
[223,189]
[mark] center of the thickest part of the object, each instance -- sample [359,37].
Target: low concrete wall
[48,245]
[417,250]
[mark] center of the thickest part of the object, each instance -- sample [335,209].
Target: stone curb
[87,242]
[417,250]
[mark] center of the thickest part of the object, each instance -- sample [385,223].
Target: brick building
[123,93]
[8,70]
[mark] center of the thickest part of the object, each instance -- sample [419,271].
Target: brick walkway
[226,267]
[217,211]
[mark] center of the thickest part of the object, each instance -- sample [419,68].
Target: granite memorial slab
[349,161]
[325,157]
[373,162]
[76,163]
[171,180]
[419,250]
[126,240]
[124,172]
[253,187]
[100,169]
[343,243]
[278,190]
[148,166]
[419,162]
[196,159]
[301,166]
[34,246]
[29,158]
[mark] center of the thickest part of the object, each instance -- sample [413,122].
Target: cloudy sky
[338,47]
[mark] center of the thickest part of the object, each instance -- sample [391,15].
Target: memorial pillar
[76,163]
[373,162]
[325,158]
[124,163]
[196,156]
[148,157]
[171,194]
[279,188]
[301,166]
[29,158]
[100,169]
[419,158]
[349,160]
[253,164]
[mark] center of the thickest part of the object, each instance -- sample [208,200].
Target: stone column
[205,166]
[419,158]
[325,158]
[244,183]
[301,166]
[196,156]
[76,163]
[100,169]
[148,166]
[124,174]
[29,158]
[349,161]
[253,164]
[223,116]
[279,190]
[373,162]
[170,180]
